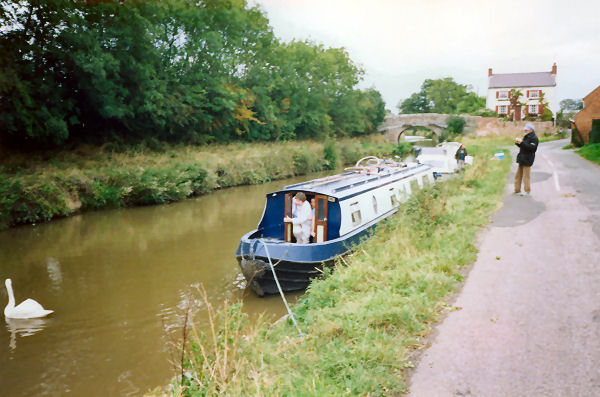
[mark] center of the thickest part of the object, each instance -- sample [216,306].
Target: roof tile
[536,79]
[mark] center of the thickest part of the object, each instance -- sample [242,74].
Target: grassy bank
[591,152]
[41,187]
[362,321]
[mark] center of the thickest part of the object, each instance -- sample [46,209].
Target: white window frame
[534,94]
[502,94]
[500,111]
[355,215]
[533,109]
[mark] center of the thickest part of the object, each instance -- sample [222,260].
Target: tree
[571,105]
[416,103]
[442,96]
[568,109]
[170,70]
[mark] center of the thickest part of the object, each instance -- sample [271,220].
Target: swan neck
[11,296]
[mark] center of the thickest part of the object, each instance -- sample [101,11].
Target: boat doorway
[320,219]
[319,205]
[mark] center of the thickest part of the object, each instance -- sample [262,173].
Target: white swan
[26,309]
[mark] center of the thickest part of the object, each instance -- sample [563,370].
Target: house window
[502,109]
[533,109]
[534,94]
[502,94]
[355,214]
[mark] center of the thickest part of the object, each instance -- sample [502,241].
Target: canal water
[119,282]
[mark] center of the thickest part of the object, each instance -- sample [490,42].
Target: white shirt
[304,218]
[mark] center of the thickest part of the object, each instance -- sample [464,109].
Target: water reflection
[54,272]
[23,327]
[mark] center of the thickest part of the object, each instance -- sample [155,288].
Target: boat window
[394,200]
[321,208]
[355,213]
[375,204]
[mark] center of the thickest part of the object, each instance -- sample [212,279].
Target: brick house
[531,85]
[582,121]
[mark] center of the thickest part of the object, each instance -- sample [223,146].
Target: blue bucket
[499,155]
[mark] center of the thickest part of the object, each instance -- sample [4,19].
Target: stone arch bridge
[394,125]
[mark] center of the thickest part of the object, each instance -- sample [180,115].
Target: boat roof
[351,183]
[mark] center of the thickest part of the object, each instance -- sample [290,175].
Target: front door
[287,226]
[517,113]
[320,218]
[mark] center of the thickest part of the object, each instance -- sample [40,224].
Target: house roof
[592,96]
[535,79]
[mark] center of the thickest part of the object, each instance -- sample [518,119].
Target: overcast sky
[400,43]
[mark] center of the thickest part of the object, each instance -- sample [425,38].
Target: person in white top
[303,220]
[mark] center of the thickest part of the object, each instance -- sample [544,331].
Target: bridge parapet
[395,125]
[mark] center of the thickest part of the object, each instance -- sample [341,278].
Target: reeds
[210,359]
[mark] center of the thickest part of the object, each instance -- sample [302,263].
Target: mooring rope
[279,288]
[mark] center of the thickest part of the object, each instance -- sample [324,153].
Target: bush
[547,115]
[403,149]
[330,154]
[456,125]
[485,113]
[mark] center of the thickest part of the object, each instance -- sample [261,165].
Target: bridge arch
[395,125]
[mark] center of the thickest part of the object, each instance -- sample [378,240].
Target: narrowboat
[441,158]
[347,207]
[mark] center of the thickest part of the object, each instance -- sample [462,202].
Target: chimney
[490,72]
[554,68]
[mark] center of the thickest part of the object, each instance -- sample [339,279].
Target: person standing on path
[527,148]
[460,155]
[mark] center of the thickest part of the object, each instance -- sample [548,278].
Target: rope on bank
[279,288]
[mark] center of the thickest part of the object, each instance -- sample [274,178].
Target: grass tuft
[591,151]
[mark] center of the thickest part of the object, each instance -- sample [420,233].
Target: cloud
[401,43]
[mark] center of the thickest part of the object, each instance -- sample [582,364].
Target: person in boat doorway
[303,220]
[460,155]
[527,148]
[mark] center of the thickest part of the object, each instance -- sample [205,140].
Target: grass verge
[591,151]
[39,188]
[363,319]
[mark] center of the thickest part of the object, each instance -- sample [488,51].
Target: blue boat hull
[295,264]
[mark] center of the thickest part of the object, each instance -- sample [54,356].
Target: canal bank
[38,188]
[361,321]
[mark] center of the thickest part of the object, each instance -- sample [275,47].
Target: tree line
[443,96]
[170,70]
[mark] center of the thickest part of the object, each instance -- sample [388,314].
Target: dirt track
[530,318]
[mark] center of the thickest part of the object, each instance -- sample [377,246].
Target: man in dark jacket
[460,156]
[527,147]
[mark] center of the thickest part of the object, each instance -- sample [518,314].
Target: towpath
[527,322]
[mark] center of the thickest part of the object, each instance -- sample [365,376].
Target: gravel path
[528,318]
